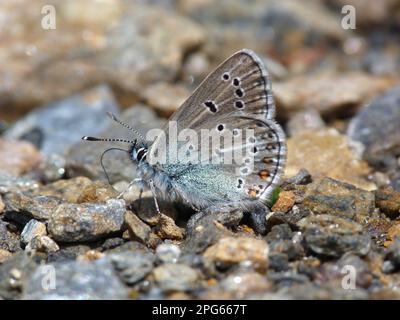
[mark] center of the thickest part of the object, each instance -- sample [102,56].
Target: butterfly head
[138,152]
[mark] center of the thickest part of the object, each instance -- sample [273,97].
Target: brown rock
[4,255]
[327,153]
[392,233]
[18,157]
[91,255]
[167,229]
[165,98]
[79,190]
[72,222]
[43,244]
[388,200]
[285,202]
[328,93]
[98,191]
[138,230]
[233,250]
[328,196]
[69,190]
[2,205]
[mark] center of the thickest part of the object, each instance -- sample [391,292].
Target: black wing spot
[211,106]
[239,92]
[239,104]
[220,127]
[240,183]
[226,76]
[236,82]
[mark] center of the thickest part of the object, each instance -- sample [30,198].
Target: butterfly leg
[140,198]
[153,191]
[134,181]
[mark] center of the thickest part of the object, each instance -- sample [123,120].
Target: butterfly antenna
[102,164]
[86,138]
[113,117]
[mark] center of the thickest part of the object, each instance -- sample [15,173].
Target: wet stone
[175,277]
[329,196]
[67,120]
[132,267]
[379,140]
[86,222]
[18,157]
[33,229]
[233,250]
[329,235]
[78,280]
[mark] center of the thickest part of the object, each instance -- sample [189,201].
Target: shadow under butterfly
[235,97]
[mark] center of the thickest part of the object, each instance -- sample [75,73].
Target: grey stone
[14,273]
[63,123]
[175,277]
[83,158]
[167,253]
[377,126]
[86,221]
[132,266]
[24,205]
[329,235]
[76,280]
[32,229]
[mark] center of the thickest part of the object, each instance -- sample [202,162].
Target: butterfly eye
[140,154]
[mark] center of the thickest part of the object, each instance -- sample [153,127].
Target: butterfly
[235,98]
